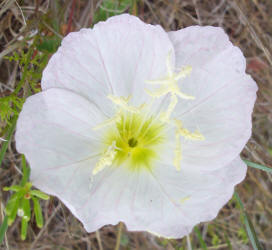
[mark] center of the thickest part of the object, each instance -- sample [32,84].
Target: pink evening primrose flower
[138,125]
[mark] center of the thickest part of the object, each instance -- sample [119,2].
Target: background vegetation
[31,31]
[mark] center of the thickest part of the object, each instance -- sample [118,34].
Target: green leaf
[28,186]
[5,143]
[39,194]
[13,212]
[110,8]
[248,225]
[26,209]
[199,236]
[14,188]
[38,212]
[10,106]
[228,241]
[3,228]
[24,225]
[49,44]
[12,202]
[26,171]
[258,166]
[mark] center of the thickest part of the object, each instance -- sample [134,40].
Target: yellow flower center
[134,138]
[137,140]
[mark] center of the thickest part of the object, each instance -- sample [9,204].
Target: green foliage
[243,235]
[3,228]
[110,8]
[19,203]
[212,232]
[49,44]
[33,63]
[199,236]
[248,224]
[258,166]
[31,60]
[10,130]
[10,106]
[124,240]
[215,240]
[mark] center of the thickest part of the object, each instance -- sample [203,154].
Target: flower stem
[99,240]
[117,246]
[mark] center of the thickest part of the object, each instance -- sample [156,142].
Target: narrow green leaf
[11,202]
[25,68]
[39,194]
[258,166]
[3,228]
[26,171]
[14,188]
[28,186]
[248,225]
[228,241]
[26,209]
[9,134]
[13,212]
[24,225]
[199,236]
[38,212]
[49,45]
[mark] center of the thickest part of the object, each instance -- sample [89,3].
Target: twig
[189,245]
[118,241]
[45,226]
[2,215]
[99,240]
[70,18]
[24,20]
[255,37]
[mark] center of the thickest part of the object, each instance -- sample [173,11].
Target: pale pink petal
[224,96]
[155,202]
[55,132]
[115,57]
[191,197]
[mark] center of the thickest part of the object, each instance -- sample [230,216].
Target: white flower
[138,125]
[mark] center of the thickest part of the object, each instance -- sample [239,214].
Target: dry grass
[249,25]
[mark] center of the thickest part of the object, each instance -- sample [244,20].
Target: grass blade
[24,225]
[199,236]
[39,194]
[26,171]
[9,134]
[258,166]
[38,212]
[248,225]
[3,228]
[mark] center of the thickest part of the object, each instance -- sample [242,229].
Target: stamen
[159,92]
[123,103]
[180,131]
[106,159]
[178,155]
[186,133]
[185,71]
[186,198]
[184,96]
[108,122]
[166,115]
[170,86]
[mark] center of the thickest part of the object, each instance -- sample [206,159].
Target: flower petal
[224,96]
[54,131]
[166,202]
[191,197]
[115,57]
